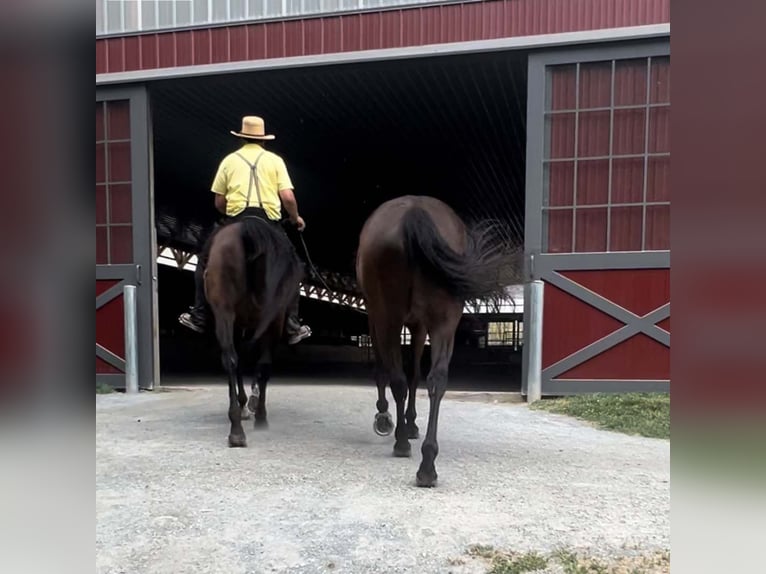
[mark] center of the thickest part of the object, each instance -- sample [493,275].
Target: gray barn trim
[565,39]
[577,386]
[106,355]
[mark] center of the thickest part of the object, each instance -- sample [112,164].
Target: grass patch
[103,389]
[568,562]
[509,562]
[643,414]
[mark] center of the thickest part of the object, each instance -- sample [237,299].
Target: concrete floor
[318,491]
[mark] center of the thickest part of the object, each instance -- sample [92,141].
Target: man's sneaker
[189,321]
[302,333]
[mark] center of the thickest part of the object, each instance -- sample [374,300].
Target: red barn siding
[384,29]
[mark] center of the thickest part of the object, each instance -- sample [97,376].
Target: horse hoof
[260,423]
[383,424]
[402,450]
[237,441]
[245,414]
[425,479]
[413,432]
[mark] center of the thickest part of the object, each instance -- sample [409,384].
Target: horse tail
[272,267]
[478,272]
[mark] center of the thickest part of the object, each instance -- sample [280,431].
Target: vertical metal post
[535,340]
[131,339]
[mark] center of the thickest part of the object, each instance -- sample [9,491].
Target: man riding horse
[251,182]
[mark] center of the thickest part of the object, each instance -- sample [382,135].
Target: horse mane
[486,267]
[271,264]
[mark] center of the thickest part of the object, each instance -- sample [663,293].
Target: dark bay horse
[417,264]
[252,273]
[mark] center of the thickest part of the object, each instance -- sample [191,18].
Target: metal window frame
[546,266]
[143,271]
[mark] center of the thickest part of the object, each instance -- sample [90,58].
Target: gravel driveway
[318,491]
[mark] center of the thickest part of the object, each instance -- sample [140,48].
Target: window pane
[660,89]
[591,230]
[659,129]
[148,14]
[165,14]
[628,180]
[200,10]
[183,13]
[102,250]
[118,120]
[592,182]
[657,227]
[120,204]
[120,245]
[593,134]
[561,132]
[595,85]
[629,131]
[559,231]
[119,161]
[625,228]
[219,10]
[559,178]
[630,82]
[658,179]
[100,204]
[114,16]
[561,88]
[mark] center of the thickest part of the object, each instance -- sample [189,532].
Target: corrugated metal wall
[373,30]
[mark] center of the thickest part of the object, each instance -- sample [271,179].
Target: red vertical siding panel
[166,50]
[332,36]
[275,40]
[658,227]
[184,48]
[132,53]
[100,163]
[104,368]
[372,31]
[593,134]
[149,56]
[629,129]
[431,25]
[515,10]
[473,23]
[640,291]
[237,44]
[100,121]
[660,81]
[391,29]
[110,331]
[115,55]
[120,203]
[452,24]
[588,325]
[563,88]
[312,36]
[637,358]
[493,18]
[119,161]
[118,120]
[102,255]
[101,59]
[351,27]
[256,42]
[201,44]
[294,33]
[414,25]
[562,136]
[219,42]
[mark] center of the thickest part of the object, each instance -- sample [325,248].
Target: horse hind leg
[442,342]
[383,425]
[241,393]
[391,361]
[264,374]
[230,360]
[418,343]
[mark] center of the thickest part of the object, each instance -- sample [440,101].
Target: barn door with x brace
[597,216]
[124,233]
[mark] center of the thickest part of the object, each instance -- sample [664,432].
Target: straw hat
[253,128]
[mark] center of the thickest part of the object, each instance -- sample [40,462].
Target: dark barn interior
[353,136]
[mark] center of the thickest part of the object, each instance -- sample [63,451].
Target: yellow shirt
[233,179]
